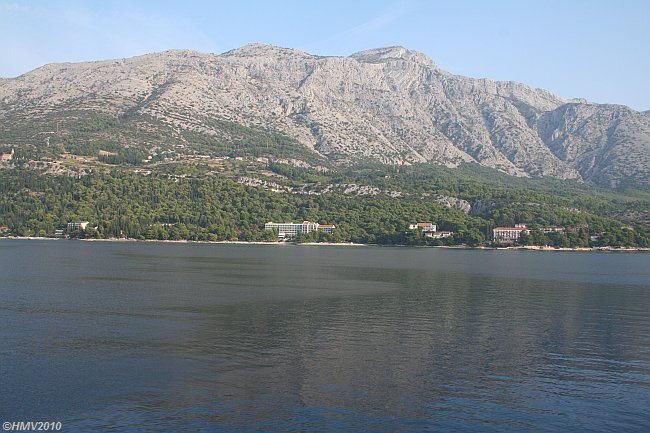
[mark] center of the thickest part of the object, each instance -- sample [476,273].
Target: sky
[593,49]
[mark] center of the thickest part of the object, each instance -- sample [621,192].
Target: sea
[189,337]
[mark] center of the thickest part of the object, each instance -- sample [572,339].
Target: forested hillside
[165,205]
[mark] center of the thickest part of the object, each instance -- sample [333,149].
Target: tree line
[211,208]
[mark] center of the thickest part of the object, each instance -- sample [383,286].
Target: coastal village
[290,231]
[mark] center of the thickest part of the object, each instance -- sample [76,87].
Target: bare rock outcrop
[390,105]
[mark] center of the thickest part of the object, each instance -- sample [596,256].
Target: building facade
[424,227]
[326,228]
[509,234]
[439,235]
[77,225]
[291,230]
[7,156]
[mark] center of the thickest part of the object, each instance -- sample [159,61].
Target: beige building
[424,227]
[439,235]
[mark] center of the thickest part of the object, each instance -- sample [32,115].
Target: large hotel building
[291,230]
[509,234]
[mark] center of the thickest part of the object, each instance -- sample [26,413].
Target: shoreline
[576,249]
[344,244]
[185,241]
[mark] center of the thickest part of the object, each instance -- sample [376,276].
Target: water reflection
[297,339]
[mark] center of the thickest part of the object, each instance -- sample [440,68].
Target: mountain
[390,105]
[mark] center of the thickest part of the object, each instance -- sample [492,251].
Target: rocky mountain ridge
[390,105]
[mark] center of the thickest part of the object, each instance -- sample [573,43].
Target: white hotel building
[77,225]
[509,234]
[291,230]
[424,227]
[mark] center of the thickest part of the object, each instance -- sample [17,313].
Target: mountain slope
[390,105]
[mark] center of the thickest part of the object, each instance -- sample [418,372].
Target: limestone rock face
[603,142]
[390,105]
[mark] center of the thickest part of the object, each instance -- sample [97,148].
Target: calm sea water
[202,338]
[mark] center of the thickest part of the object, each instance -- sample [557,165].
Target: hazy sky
[599,50]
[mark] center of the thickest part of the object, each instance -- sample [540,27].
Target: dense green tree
[159,206]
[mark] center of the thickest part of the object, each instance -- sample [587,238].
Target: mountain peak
[182,52]
[378,55]
[390,105]
[257,49]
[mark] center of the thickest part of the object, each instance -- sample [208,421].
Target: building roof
[519,229]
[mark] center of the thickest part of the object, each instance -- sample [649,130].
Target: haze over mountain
[390,105]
